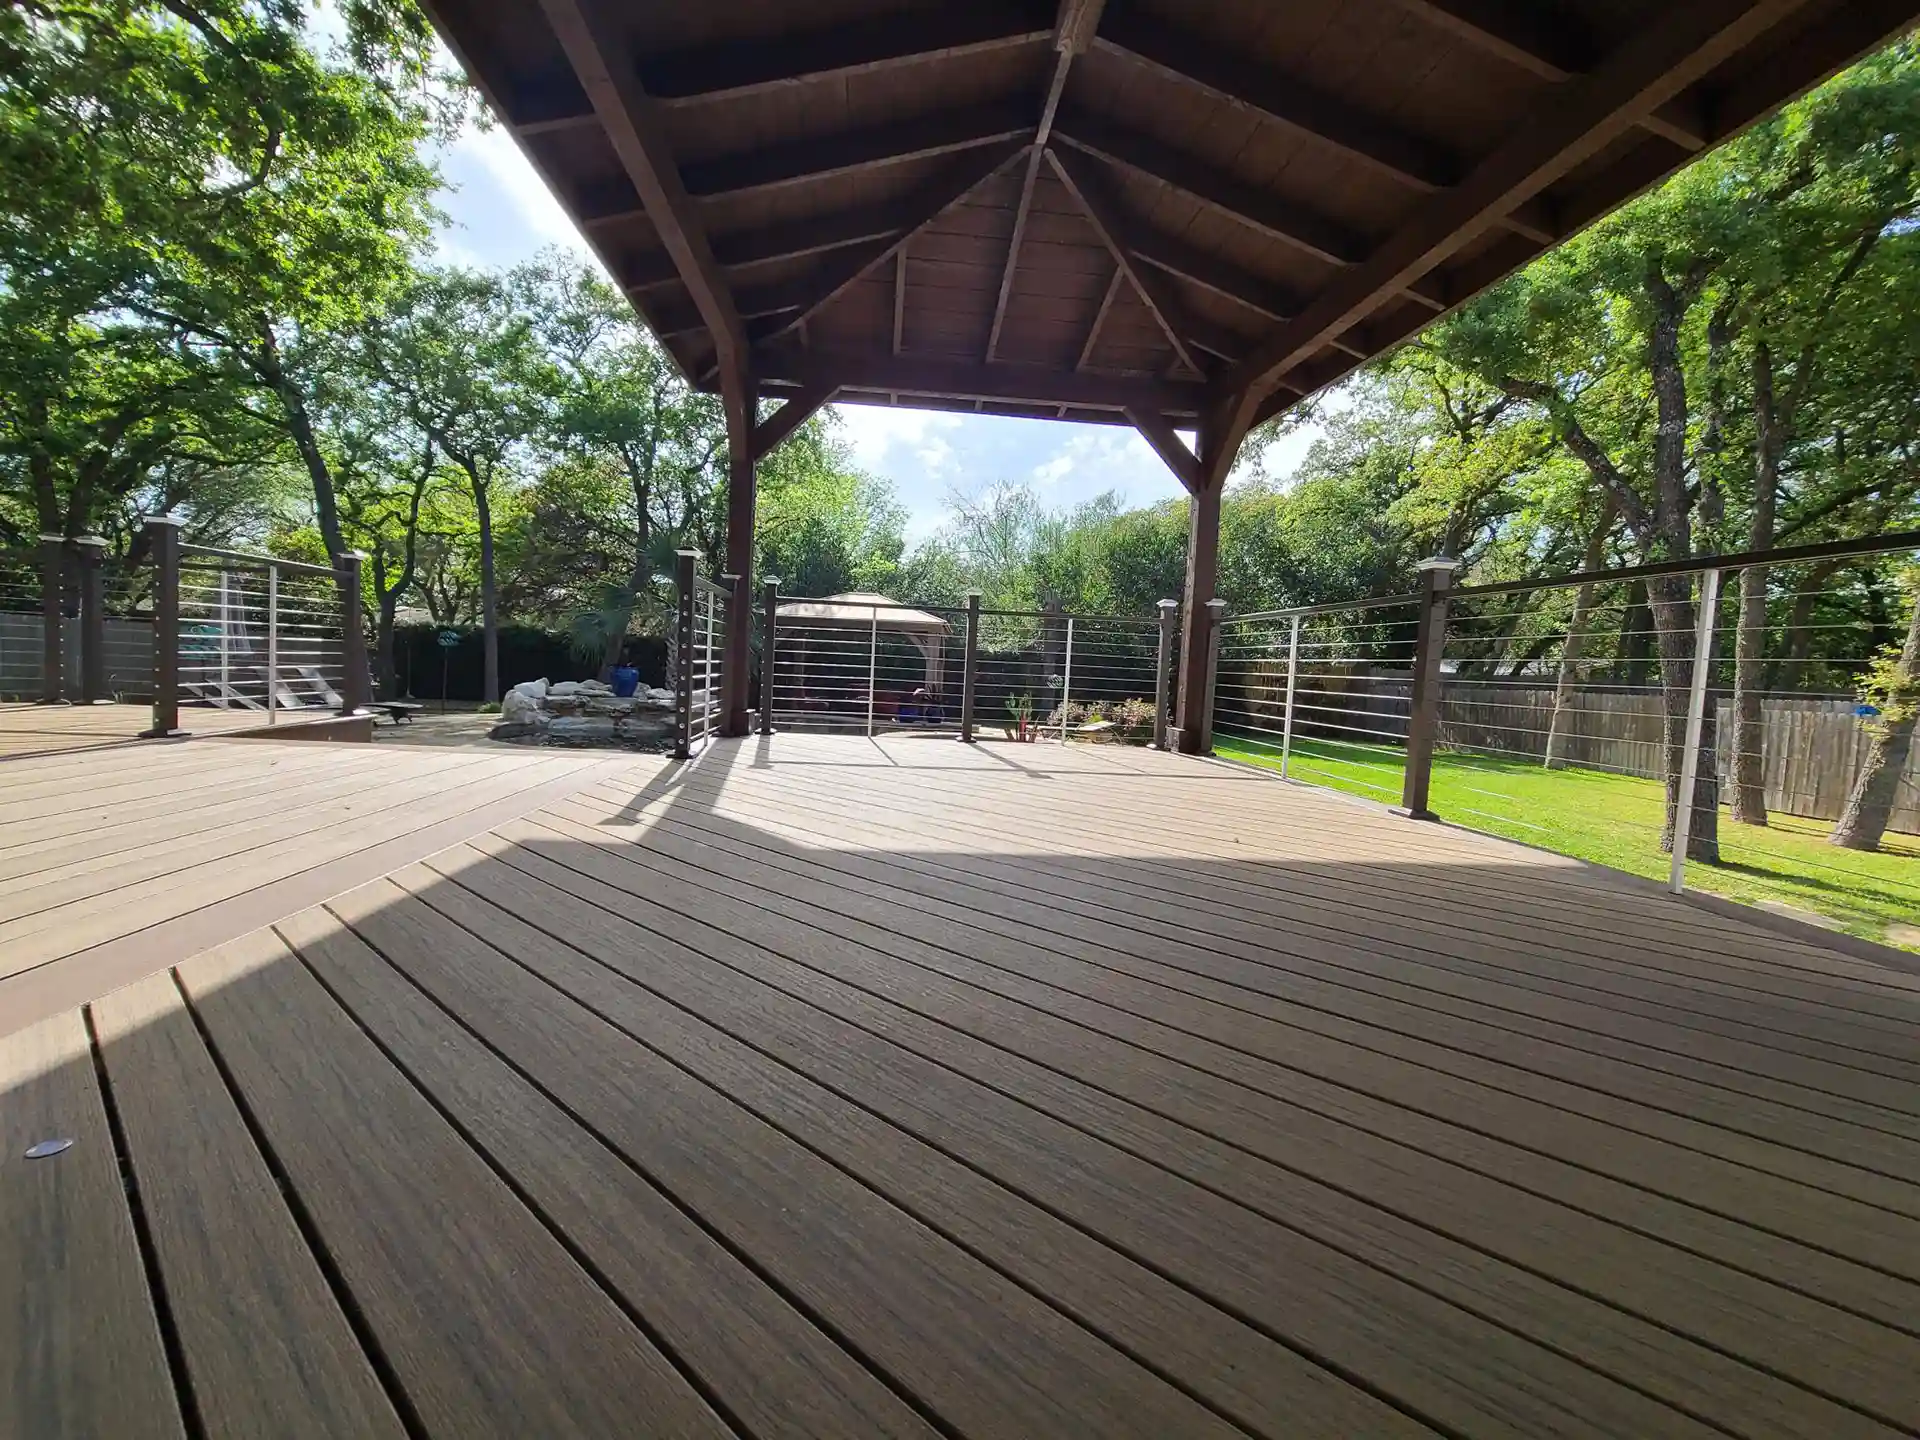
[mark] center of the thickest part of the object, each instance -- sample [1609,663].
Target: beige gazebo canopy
[864,611]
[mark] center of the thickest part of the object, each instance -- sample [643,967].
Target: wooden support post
[686,565]
[1203,562]
[91,552]
[53,587]
[356,686]
[1163,671]
[163,543]
[970,667]
[742,482]
[769,647]
[1423,725]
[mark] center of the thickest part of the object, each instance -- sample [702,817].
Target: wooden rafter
[1167,444]
[1568,126]
[915,37]
[1544,45]
[794,412]
[1115,230]
[1073,29]
[770,244]
[1017,384]
[952,185]
[1118,279]
[597,53]
[899,299]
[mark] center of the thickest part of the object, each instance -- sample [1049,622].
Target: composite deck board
[268,1350]
[1790,1115]
[80,1349]
[941,1324]
[834,1087]
[1730,1310]
[488,1323]
[776,1372]
[1464,1373]
[1423,974]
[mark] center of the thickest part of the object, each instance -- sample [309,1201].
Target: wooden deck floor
[28,729]
[832,1088]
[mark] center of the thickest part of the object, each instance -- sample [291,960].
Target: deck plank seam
[323,1257]
[592,1269]
[1172,1277]
[191,1420]
[1359,1382]
[1361,1199]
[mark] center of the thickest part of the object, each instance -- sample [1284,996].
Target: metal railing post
[685,567]
[1293,677]
[91,552]
[969,667]
[739,612]
[1066,682]
[769,647]
[163,540]
[1216,611]
[1163,671]
[53,586]
[1696,723]
[711,724]
[356,688]
[1423,723]
[226,636]
[273,643]
[873,667]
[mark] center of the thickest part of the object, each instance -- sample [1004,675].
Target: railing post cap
[90,542]
[173,521]
[1216,606]
[1438,562]
[1167,604]
[972,594]
[773,580]
[53,539]
[358,557]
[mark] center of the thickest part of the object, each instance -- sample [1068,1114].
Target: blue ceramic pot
[624,679]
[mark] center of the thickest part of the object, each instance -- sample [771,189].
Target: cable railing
[73,623]
[1570,712]
[696,655]
[867,665]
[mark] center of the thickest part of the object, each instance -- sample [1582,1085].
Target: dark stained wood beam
[1169,447]
[1251,206]
[1118,279]
[1570,124]
[899,299]
[917,37]
[769,244]
[955,181]
[794,412]
[992,384]
[1546,45]
[1117,232]
[593,48]
[801,162]
[1073,29]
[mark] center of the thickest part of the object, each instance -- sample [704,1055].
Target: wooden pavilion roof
[1131,211]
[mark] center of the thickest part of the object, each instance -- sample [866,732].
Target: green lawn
[1615,820]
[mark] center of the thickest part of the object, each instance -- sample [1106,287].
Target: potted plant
[1020,707]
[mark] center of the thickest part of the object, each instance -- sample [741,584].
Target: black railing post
[356,687]
[970,667]
[733,690]
[1163,671]
[91,553]
[769,646]
[685,567]
[1423,724]
[1216,611]
[163,543]
[53,594]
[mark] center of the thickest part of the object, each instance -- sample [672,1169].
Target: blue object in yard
[1866,712]
[625,680]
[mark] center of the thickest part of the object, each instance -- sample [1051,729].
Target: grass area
[1615,820]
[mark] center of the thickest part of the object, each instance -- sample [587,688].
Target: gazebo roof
[1143,211]
[862,608]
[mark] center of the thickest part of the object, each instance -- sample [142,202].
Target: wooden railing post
[970,667]
[53,591]
[735,688]
[163,543]
[685,567]
[1163,671]
[1216,612]
[356,686]
[769,647]
[1423,724]
[91,553]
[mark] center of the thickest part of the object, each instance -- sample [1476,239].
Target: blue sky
[500,214]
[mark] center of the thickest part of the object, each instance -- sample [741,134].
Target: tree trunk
[1870,804]
[1749,800]
[1567,684]
[1789,672]
[386,671]
[489,599]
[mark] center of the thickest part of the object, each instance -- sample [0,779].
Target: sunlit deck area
[838,1087]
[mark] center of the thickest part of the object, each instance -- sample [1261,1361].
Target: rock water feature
[585,712]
